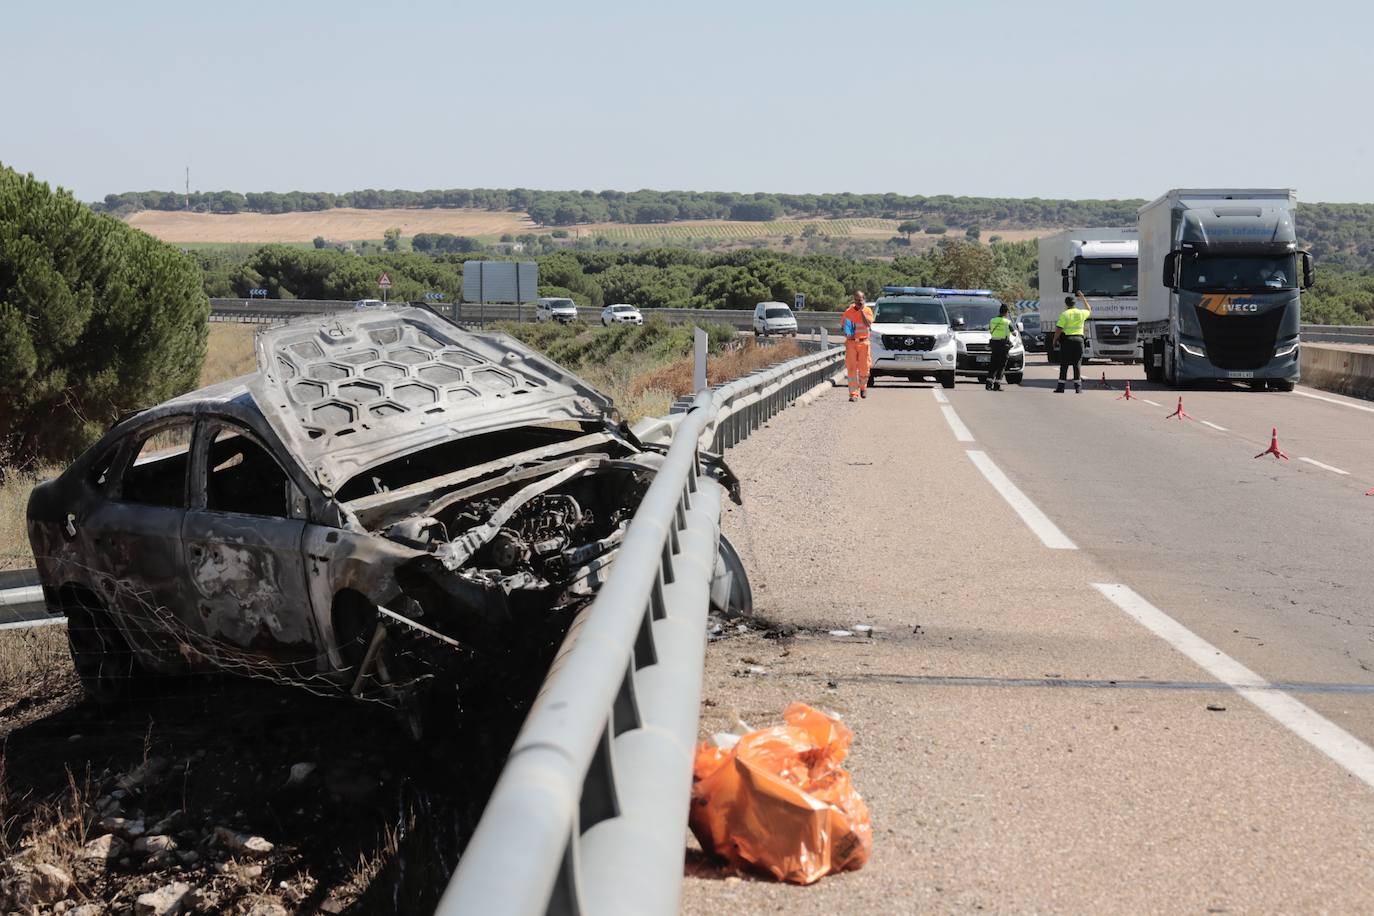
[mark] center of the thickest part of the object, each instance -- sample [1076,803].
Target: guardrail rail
[590,811]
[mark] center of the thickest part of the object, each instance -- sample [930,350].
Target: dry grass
[339,224]
[230,353]
[34,654]
[14,502]
[675,379]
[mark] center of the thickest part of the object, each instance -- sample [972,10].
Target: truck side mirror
[1171,270]
[1064,272]
[1309,270]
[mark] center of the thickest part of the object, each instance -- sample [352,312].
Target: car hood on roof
[352,390]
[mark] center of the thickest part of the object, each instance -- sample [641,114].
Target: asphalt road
[1033,723]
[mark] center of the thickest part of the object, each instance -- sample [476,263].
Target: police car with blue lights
[969,312]
[911,336]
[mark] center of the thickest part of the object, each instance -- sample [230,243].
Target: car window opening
[244,479]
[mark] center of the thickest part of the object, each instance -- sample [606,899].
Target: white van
[774,318]
[555,308]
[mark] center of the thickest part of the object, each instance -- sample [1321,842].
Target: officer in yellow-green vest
[999,329]
[1068,337]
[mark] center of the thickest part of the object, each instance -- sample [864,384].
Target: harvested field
[346,224]
[340,224]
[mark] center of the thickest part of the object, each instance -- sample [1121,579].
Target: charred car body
[387,491]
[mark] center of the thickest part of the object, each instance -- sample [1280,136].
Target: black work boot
[1059,389]
[1077,387]
[987,383]
[996,386]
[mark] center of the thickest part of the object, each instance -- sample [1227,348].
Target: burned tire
[731,594]
[100,654]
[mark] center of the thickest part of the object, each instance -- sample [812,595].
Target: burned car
[386,490]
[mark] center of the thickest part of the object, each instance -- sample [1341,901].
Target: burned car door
[242,547]
[133,537]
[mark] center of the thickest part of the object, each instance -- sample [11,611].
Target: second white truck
[1100,264]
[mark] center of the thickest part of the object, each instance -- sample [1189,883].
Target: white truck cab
[1099,265]
[911,336]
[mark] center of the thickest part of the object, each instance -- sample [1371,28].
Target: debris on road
[1213,707]
[778,800]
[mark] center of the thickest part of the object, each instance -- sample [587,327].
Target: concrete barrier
[1344,370]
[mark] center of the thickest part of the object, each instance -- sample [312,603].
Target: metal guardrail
[590,811]
[1338,333]
[269,310]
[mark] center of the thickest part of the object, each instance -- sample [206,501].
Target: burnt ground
[375,825]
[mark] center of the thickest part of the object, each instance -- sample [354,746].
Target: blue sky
[1032,99]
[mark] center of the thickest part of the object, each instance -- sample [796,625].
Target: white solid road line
[1211,424]
[1325,467]
[960,430]
[1318,397]
[1035,520]
[1152,403]
[1326,736]
[940,396]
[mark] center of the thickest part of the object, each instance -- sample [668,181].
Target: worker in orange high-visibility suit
[855,322]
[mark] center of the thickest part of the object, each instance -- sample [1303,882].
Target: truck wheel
[1013,378]
[100,655]
[947,379]
[1280,384]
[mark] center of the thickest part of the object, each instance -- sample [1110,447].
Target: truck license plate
[1240,375]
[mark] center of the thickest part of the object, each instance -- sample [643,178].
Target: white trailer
[1099,263]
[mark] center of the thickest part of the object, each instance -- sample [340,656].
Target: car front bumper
[977,363]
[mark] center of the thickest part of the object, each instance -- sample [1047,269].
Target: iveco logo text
[1241,306]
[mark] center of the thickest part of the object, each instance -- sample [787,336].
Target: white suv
[555,308]
[911,336]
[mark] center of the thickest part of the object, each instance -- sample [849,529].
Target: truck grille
[1115,335]
[1240,341]
[908,342]
[977,347]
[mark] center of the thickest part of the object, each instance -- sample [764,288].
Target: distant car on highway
[1032,338]
[555,308]
[774,318]
[369,304]
[621,314]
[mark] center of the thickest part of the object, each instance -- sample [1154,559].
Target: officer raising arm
[1068,337]
[856,322]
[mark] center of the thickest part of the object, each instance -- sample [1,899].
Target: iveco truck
[1220,274]
[1099,265]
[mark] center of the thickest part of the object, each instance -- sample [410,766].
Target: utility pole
[188,187]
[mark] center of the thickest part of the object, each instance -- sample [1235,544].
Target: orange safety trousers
[856,362]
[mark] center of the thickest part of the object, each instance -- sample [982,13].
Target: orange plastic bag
[779,800]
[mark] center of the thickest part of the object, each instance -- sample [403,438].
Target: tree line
[649,278]
[96,319]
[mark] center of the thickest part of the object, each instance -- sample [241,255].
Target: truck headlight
[1288,350]
[1193,351]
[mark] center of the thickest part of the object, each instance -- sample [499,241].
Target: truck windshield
[1031,321]
[777,313]
[1215,274]
[909,313]
[975,316]
[1106,278]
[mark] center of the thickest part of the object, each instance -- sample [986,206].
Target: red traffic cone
[1127,396]
[1369,492]
[1273,448]
[1179,411]
[1104,382]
